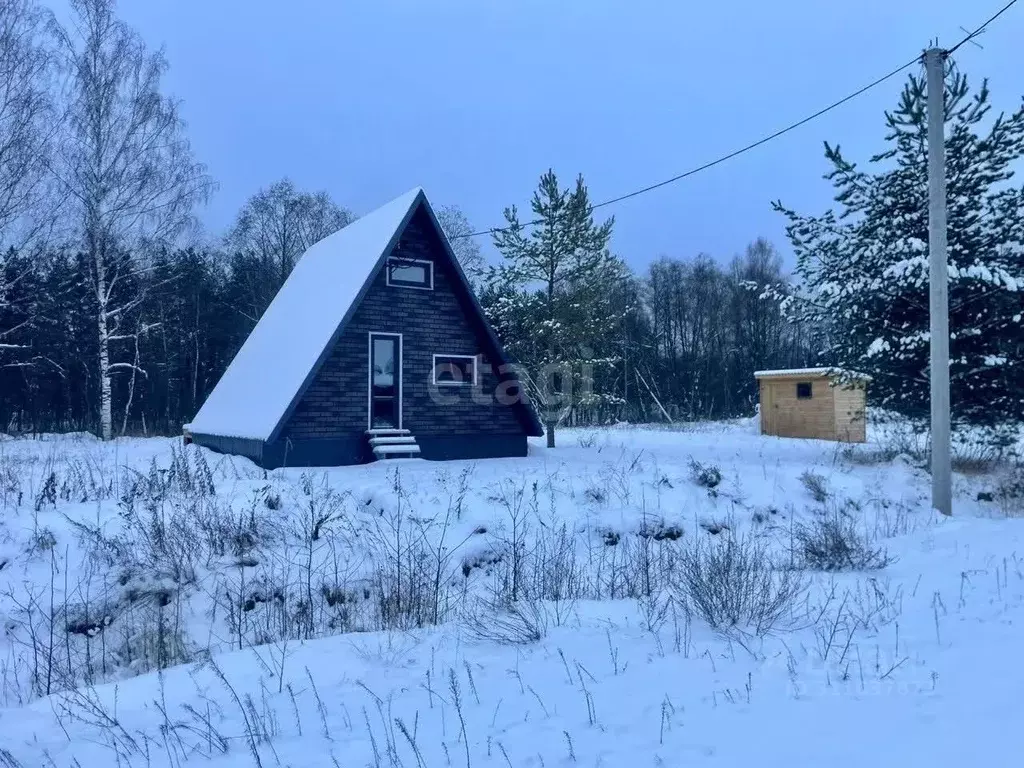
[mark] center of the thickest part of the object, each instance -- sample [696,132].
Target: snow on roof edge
[786,372]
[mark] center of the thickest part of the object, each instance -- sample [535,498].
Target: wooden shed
[818,403]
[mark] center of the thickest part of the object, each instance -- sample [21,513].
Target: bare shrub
[636,565]
[413,564]
[894,518]
[47,496]
[521,504]
[983,451]
[816,485]
[188,472]
[11,492]
[40,542]
[272,500]
[403,588]
[149,636]
[321,505]
[228,534]
[895,437]
[1009,491]
[518,623]
[733,582]
[857,455]
[554,571]
[834,543]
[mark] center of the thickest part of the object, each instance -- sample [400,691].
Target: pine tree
[555,268]
[865,269]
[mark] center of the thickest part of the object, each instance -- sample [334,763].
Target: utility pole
[938,305]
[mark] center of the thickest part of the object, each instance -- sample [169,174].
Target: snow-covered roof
[784,373]
[271,367]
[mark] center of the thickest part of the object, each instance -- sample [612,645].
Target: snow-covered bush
[705,475]
[816,485]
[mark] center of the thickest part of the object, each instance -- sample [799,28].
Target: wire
[723,158]
[981,29]
[765,139]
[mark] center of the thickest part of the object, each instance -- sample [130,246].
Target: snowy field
[634,597]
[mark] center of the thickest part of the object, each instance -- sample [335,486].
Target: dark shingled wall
[431,322]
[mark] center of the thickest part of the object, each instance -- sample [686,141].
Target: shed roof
[289,343]
[811,373]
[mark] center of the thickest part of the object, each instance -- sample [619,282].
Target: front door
[385,381]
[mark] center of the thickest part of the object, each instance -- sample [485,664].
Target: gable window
[454,370]
[410,273]
[803,390]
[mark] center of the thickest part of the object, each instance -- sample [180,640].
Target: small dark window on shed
[803,390]
[454,370]
[411,273]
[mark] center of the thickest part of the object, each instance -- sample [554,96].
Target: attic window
[410,273]
[454,370]
[803,390]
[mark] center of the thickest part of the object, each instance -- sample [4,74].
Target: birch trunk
[103,327]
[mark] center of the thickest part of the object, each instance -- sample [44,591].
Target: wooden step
[399,440]
[407,449]
[387,432]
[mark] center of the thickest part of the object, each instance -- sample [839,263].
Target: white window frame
[430,273]
[369,375]
[476,371]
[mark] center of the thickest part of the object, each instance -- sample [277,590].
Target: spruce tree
[865,269]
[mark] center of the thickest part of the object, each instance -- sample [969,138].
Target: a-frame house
[375,346]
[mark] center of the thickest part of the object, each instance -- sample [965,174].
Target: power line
[766,139]
[981,29]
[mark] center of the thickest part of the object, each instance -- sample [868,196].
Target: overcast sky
[473,99]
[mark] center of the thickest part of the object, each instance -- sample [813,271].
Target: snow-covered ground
[164,606]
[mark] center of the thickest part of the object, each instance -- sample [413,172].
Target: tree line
[118,315]
[599,343]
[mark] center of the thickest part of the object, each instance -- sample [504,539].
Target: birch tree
[273,229]
[128,170]
[26,116]
[458,230]
[26,119]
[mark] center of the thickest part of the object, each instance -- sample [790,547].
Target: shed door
[385,385]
